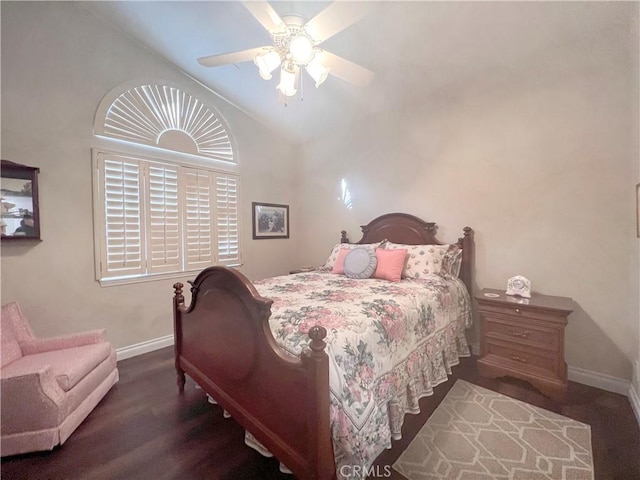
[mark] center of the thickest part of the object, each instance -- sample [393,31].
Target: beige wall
[540,159]
[58,62]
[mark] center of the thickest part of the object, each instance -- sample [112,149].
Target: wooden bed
[224,343]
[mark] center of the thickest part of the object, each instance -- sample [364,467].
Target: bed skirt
[415,378]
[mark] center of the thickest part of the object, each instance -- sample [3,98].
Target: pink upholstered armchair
[49,385]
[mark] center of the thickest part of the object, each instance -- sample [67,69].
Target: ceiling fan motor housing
[294,43]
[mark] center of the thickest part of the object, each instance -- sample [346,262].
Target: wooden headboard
[411,230]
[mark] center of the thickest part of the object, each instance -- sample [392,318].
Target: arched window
[166,117]
[156,217]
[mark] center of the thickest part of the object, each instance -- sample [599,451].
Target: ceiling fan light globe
[317,71]
[267,63]
[287,91]
[287,85]
[301,49]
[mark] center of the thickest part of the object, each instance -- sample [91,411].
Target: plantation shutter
[164,236]
[154,217]
[227,222]
[198,220]
[122,252]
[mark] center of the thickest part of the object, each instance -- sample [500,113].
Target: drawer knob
[518,359]
[517,310]
[524,334]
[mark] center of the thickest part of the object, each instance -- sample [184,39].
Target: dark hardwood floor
[143,429]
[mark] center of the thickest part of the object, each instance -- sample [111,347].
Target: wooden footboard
[223,341]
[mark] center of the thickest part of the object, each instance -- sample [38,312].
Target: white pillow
[421,260]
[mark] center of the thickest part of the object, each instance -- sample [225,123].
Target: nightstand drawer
[517,311]
[509,329]
[521,357]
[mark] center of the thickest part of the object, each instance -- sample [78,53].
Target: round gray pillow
[360,263]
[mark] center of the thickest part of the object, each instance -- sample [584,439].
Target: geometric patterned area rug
[477,434]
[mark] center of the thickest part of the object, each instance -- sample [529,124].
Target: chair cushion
[69,366]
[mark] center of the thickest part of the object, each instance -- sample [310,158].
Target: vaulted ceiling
[418,50]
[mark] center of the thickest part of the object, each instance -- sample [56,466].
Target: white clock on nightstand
[519,285]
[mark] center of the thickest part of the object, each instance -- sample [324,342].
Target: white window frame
[192,231]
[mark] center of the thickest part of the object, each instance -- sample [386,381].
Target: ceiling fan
[295,45]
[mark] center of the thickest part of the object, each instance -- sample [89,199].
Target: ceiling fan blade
[346,70]
[335,18]
[266,15]
[232,57]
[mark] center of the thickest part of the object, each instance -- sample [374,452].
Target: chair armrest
[39,345]
[32,400]
[35,385]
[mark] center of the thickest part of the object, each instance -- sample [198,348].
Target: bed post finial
[317,334]
[343,237]
[468,236]
[177,292]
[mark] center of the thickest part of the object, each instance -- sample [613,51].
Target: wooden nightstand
[524,338]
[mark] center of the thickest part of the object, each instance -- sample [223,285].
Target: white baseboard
[599,380]
[144,347]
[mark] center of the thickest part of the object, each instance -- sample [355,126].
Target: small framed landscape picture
[270,221]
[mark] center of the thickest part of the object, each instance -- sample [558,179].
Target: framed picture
[270,221]
[20,213]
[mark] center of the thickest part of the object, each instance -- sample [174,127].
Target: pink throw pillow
[390,264]
[338,267]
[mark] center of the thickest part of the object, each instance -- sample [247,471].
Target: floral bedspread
[388,343]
